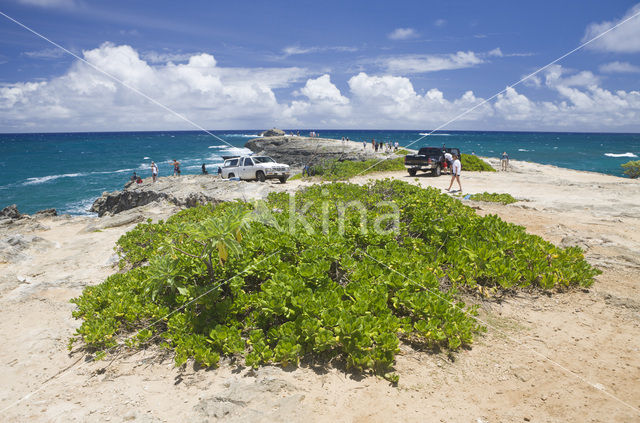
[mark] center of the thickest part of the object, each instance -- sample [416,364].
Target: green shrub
[319,281]
[632,169]
[334,170]
[475,164]
[492,197]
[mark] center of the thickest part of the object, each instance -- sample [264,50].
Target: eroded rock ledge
[182,191]
[299,151]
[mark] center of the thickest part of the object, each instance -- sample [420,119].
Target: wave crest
[620,155]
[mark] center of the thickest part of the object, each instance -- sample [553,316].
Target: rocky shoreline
[46,260]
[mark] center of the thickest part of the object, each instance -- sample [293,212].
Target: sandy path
[595,334]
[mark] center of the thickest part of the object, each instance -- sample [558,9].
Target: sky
[455,65]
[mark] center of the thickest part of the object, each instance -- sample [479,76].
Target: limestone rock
[10,212]
[273,133]
[182,191]
[300,151]
[46,213]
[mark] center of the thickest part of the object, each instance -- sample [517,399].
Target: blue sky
[304,64]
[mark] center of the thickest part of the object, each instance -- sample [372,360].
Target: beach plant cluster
[493,197]
[335,273]
[335,170]
[632,169]
[473,163]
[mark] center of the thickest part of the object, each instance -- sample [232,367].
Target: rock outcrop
[273,133]
[300,151]
[182,191]
[10,212]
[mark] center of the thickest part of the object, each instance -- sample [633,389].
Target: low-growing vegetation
[473,163]
[632,169]
[334,170]
[338,272]
[492,197]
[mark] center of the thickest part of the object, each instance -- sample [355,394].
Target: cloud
[412,64]
[296,50]
[324,104]
[496,52]
[403,34]
[47,53]
[84,99]
[619,67]
[216,96]
[165,57]
[623,39]
[440,23]
[64,4]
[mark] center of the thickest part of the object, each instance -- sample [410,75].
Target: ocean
[68,171]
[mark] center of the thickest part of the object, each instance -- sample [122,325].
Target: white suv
[260,168]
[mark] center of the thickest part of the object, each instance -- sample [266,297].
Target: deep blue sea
[69,170]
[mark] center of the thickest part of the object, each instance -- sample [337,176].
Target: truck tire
[437,171]
[283,179]
[260,176]
[412,172]
[231,175]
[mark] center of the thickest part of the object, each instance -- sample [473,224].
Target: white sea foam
[435,135]
[218,146]
[145,158]
[235,150]
[523,149]
[43,179]
[118,171]
[620,155]
[242,135]
[78,207]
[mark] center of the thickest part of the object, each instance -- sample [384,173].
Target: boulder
[10,212]
[273,133]
[46,213]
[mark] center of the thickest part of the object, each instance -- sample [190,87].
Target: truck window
[248,162]
[231,163]
[429,151]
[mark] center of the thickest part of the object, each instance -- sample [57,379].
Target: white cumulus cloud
[85,99]
[216,96]
[623,39]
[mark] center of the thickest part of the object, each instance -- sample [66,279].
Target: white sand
[593,334]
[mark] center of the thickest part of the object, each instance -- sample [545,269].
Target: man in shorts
[456,169]
[176,167]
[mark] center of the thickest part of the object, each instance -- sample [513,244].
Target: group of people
[382,146]
[154,171]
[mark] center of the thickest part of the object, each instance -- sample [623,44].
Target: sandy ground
[567,357]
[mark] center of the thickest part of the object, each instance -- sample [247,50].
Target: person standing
[176,167]
[154,171]
[504,161]
[364,145]
[448,158]
[204,169]
[456,169]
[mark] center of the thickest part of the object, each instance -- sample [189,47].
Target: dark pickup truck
[428,159]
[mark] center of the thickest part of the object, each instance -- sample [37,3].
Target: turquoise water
[68,171]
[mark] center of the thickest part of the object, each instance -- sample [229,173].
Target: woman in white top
[154,171]
[456,169]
